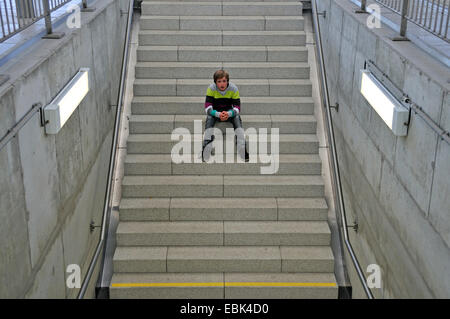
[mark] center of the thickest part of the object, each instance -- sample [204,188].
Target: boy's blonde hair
[220,74]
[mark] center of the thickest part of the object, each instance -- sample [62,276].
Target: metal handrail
[17,15]
[12,132]
[112,162]
[330,134]
[431,15]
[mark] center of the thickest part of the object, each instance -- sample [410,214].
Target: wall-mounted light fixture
[393,113]
[64,104]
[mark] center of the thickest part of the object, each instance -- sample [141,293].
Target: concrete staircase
[222,230]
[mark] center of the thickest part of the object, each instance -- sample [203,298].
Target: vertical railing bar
[7,19]
[1,18]
[411,9]
[35,9]
[417,10]
[419,6]
[431,15]
[26,11]
[12,14]
[426,15]
[437,14]
[40,8]
[19,19]
[448,15]
[442,17]
[421,12]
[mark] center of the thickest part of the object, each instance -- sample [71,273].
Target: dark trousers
[237,126]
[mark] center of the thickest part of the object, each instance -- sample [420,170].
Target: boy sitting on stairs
[223,103]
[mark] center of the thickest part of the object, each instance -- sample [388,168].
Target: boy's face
[222,83]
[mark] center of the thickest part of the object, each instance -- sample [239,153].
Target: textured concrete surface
[394,187]
[53,185]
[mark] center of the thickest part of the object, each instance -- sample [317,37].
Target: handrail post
[85,8]
[362,9]
[403,23]
[48,22]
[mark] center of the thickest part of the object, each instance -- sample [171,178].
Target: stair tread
[188,117]
[224,32]
[223,47]
[163,137]
[201,99]
[223,277]
[167,277]
[222,180]
[227,227]
[222,64]
[124,253]
[215,17]
[166,158]
[257,227]
[256,3]
[236,81]
[211,202]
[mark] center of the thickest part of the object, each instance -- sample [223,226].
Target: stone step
[228,233]
[163,144]
[206,209]
[280,286]
[167,286]
[225,8]
[213,53]
[224,285]
[247,87]
[226,186]
[286,124]
[237,70]
[181,105]
[222,23]
[210,259]
[161,164]
[222,0]
[183,37]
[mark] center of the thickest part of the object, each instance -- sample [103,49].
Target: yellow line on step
[281,284]
[227,284]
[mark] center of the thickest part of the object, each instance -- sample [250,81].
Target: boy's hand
[223,115]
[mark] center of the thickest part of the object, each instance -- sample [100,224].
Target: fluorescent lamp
[64,104]
[393,113]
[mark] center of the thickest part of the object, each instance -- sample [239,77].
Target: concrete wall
[52,186]
[396,188]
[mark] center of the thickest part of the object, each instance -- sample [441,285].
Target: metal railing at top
[335,172]
[17,15]
[431,15]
